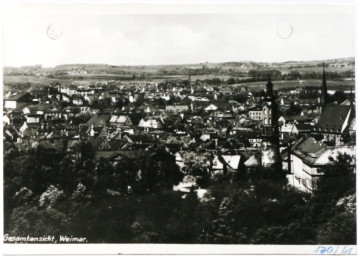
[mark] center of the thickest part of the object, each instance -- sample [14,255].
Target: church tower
[270,131]
[270,112]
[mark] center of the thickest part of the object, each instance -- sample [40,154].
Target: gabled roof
[118,119]
[346,102]
[133,154]
[221,104]
[39,107]
[252,161]
[303,127]
[232,160]
[98,120]
[255,108]
[17,96]
[334,117]
[95,142]
[309,150]
[297,118]
[178,107]
[310,146]
[316,154]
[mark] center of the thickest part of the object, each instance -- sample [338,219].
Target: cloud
[134,39]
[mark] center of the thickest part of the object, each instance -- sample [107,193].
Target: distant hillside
[236,69]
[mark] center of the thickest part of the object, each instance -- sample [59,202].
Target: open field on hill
[32,81]
[282,85]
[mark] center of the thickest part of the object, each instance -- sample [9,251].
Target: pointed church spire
[324,88]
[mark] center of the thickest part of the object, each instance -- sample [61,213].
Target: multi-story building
[255,113]
[309,158]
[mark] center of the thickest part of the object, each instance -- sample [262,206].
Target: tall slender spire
[324,88]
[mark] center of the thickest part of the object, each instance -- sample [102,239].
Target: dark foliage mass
[132,201]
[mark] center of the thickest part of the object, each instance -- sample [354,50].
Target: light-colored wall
[10,104]
[32,120]
[302,174]
[266,115]
[255,115]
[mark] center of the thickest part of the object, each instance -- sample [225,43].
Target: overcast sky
[148,34]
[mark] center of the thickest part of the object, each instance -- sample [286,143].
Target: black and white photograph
[179,123]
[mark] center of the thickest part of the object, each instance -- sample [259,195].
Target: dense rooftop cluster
[180,161]
[225,122]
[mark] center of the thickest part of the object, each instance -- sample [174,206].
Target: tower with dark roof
[269,88]
[270,111]
[324,89]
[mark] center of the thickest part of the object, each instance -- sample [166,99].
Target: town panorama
[206,153]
